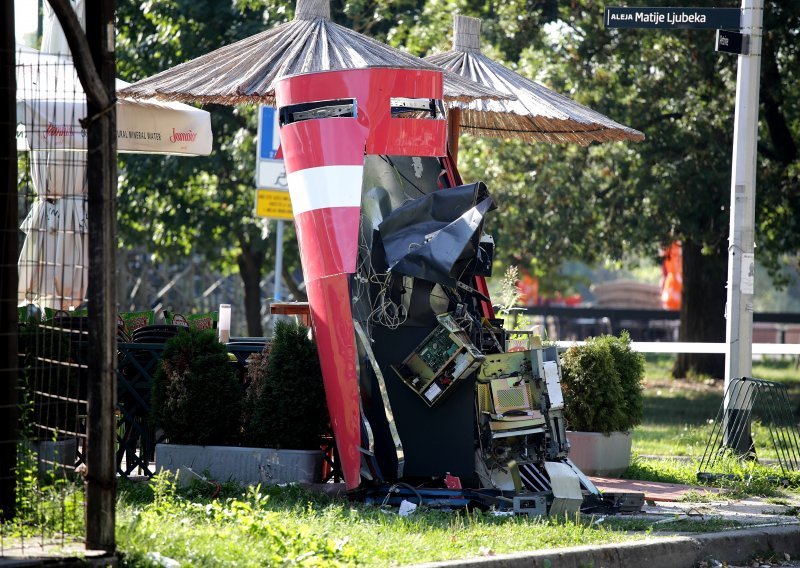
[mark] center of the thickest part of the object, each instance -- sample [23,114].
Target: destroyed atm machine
[418,383]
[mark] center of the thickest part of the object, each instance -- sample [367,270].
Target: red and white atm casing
[324,159]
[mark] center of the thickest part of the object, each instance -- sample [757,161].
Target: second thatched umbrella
[246,71]
[537,115]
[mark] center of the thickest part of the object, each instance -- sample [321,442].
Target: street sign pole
[278,260]
[272,197]
[741,242]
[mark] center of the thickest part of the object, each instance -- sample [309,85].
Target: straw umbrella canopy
[246,71]
[536,114]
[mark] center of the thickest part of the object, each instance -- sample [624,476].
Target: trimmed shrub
[602,386]
[630,365]
[196,398]
[286,398]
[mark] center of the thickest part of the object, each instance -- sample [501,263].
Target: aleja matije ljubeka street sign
[673,18]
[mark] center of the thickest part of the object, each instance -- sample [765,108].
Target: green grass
[281,526]
[738,479]
[679,414]
[289,526]
[49,505]
[678,419]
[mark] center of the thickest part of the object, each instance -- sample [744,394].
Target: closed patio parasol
[246,71]
[53,261]
[51,103]
[536,113]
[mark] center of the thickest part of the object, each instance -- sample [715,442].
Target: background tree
[616,200]
[558,203]
[177,205]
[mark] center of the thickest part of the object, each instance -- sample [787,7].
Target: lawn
[679,414]
[277,526]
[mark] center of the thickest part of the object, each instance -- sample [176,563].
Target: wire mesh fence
[45,444]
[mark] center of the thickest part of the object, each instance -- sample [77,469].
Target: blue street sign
[268,137]
[270,172]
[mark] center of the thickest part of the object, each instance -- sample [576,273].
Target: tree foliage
[557,203]
[203,205]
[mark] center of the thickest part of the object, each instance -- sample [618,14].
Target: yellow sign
[273,204]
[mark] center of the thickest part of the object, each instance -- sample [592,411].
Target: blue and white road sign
[269,139]
[270,173]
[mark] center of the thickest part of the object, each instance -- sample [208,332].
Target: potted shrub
[286,409]
[201,407]
[602,385]
[196,400]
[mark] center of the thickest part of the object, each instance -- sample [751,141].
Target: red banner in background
[672,277]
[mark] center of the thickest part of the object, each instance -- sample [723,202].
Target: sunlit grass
[679,413]
[737,478]
[289,526]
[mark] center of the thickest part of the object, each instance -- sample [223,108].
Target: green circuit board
[438,349]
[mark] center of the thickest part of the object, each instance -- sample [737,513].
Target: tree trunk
[251,261]
[288,279]
[702,310]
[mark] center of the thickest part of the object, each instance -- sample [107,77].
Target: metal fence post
[9,378]
[102,183]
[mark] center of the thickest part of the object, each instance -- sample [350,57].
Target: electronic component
[531,505]
[440,361]
[521,425]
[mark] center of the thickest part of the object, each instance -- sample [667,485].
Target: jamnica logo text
[58,130]
[188,136]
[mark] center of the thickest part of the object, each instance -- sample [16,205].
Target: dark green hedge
[286,400]
[196,397]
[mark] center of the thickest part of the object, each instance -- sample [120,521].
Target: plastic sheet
[427,237]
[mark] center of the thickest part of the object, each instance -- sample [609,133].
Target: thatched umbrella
[246,71]
[537,115]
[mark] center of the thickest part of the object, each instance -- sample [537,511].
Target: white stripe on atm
[324,187]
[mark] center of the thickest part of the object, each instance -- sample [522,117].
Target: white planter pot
[598,454]
[248,466]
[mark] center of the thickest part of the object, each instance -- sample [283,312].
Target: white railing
[699,347]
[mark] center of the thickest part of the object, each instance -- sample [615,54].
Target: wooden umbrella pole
[309,9]
[453,131]
[466,37]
